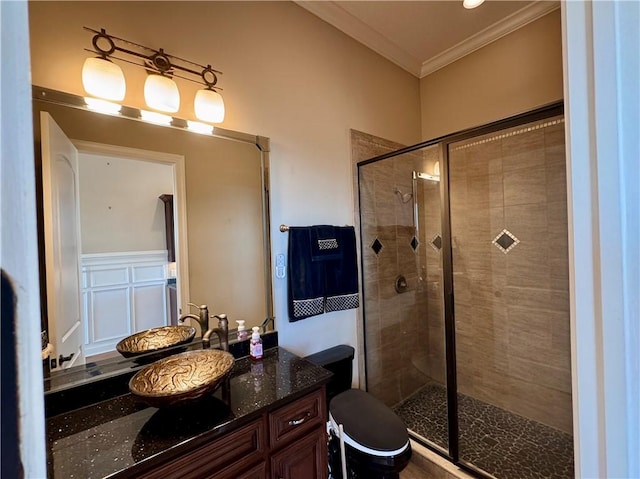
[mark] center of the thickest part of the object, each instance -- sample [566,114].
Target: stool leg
[343,456]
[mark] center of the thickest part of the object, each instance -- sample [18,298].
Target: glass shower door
[508,216]
[400,221]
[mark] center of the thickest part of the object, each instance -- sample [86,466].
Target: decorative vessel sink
[181,377]
[155,340]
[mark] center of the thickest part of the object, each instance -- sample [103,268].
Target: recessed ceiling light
[472,3]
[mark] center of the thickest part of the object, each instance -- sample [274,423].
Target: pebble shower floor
[501,443]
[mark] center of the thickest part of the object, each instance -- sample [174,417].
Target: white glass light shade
[104,79]
[472,3]
[209,106]
[161,93]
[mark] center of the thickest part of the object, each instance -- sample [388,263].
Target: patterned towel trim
[308,307]
[343,301]
[330,243]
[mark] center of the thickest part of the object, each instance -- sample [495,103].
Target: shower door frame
[544,112]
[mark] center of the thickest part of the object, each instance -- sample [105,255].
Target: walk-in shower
[474,353]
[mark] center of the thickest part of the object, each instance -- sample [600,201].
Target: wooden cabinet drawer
[224,457]
[295,419]
[305,458]
[257,472]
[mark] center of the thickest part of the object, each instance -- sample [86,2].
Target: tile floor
[501,443]
[426,464]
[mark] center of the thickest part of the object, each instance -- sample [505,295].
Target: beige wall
[120,209]
[287,75]
[515,74]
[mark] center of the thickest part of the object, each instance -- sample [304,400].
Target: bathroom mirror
[221,226]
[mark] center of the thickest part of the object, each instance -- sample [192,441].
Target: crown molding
[338,17]
[490,34]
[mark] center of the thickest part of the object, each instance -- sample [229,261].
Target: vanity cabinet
[286,443]
[297,433]
[267,422]
[223,458]
[305,458]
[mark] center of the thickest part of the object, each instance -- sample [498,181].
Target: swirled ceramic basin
[181,377]
[154,340]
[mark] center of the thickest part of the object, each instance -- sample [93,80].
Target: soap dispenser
[255,346]
[242,332]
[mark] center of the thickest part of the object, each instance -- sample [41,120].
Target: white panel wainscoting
[122,293]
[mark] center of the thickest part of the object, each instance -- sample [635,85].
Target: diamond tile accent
[436,242]
[414,243]
[376,246]
[505,241]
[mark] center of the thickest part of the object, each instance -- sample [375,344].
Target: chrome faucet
[202,318]
[222,331]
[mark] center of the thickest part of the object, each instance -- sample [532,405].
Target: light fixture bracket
[153,60]
[102,35]
[160,62]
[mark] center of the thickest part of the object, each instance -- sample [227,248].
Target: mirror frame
[262,143]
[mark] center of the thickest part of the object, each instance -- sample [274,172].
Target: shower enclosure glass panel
[508,216]
[400,221]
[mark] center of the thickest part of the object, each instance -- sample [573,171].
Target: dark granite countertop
[122,436]
[72,378]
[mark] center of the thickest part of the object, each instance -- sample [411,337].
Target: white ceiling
[423,36]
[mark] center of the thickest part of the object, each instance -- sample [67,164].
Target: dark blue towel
[341,275]
[305,279]
[323,270]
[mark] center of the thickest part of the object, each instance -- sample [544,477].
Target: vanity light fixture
[103,106]
[469,4]
[199,127]
[100,76]
[209,106]
[161,93]
[104,79]
[155,117]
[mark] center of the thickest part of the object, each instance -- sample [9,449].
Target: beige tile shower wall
[512,310]
[400,319]
[397,330]
[364,147]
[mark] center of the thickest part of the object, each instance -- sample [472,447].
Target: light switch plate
[280,266]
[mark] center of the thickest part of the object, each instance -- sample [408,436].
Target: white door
[62,243]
